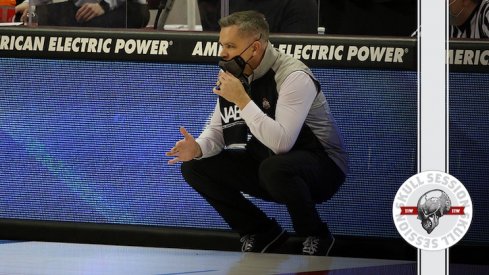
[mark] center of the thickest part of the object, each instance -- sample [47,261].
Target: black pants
[298,179]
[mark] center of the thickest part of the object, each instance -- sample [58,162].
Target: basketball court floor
[76,259]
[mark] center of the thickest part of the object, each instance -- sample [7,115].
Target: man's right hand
[185,149]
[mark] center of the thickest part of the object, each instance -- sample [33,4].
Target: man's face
[234,43]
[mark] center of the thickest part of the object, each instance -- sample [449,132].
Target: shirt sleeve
[295,98]
[211,140]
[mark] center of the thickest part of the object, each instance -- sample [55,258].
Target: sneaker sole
[273,241]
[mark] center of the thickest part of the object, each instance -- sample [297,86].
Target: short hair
[249,22]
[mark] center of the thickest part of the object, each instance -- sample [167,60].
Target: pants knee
[188,170]
[186,167]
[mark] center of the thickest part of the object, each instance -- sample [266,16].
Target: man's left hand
[88,11]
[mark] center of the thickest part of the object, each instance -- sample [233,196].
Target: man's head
[244,33]
[460,10]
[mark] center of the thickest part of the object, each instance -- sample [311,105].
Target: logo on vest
[265,103]
[432,210]
[231,113]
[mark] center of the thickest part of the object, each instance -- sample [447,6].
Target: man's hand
[88,11]
[24,9]
[185,149]
[231,88]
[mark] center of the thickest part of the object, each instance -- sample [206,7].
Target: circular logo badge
[432,210]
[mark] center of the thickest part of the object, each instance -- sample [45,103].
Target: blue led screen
[469,144]
[84,141]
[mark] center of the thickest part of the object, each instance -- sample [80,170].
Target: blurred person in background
[283,16]
[89,13]
[369,17]
[469,18]
[7,10]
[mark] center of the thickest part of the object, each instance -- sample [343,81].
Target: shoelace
[310,245]
[248,243]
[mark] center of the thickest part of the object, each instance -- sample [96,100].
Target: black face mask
[237,64]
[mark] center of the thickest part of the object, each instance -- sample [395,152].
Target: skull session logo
[431,206]
[432,210]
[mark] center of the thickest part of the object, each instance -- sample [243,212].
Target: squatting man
[284,146]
